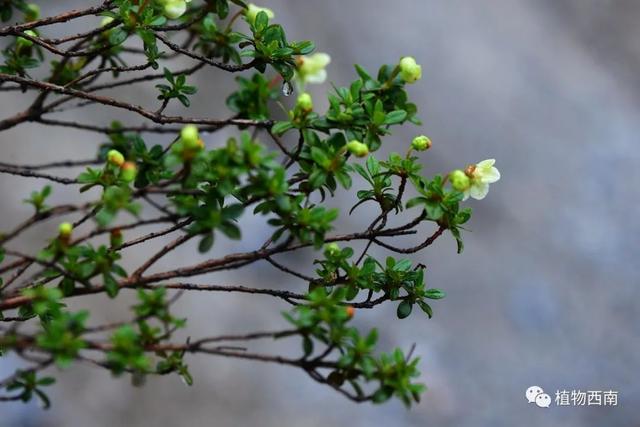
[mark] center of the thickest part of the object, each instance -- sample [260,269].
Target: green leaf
[281,127]
[362,73]
[456,234]
[381,395]
[46,403]
[434,210]
[404,309]
[67,286]
[344,179]
[206,243]
[232,211]
[434,293]
[395,117]
[426,308]
[320,157]
[261,22]
[110,285]
[307,346]
[45,381]
[416,201]
[117,36]
[317,178]
[230,230]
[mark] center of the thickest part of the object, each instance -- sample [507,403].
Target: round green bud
[421,143]
[32,12]
[410,71]
[65,229]
[357,148]
[331,249]
[174,9]
[305,103]
[459,180]
[128,171]
[24,42]
[190,136]
[115,158]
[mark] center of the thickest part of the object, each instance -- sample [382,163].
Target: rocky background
[546,290]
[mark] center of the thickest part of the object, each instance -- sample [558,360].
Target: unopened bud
[190,136]
[32,12]
[421,143]
[174,9]
[357,148]
[459,180]
[115,238]
[410,71]
[64,230]
[350,311]
[331,249]
[305,103]
[115,158]
[128,171]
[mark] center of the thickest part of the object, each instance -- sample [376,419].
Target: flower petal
[321,59]
[479,190]
[490,176]
[486,163]
[318,77]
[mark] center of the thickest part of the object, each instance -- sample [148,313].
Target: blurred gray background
[546,290]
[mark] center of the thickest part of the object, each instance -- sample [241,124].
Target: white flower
[482,174]
[311,68]
[252,12]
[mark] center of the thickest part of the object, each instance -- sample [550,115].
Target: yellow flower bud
[305,102]
[64,230]
[128,171]
[115,158]
[357,148]
[190,136]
